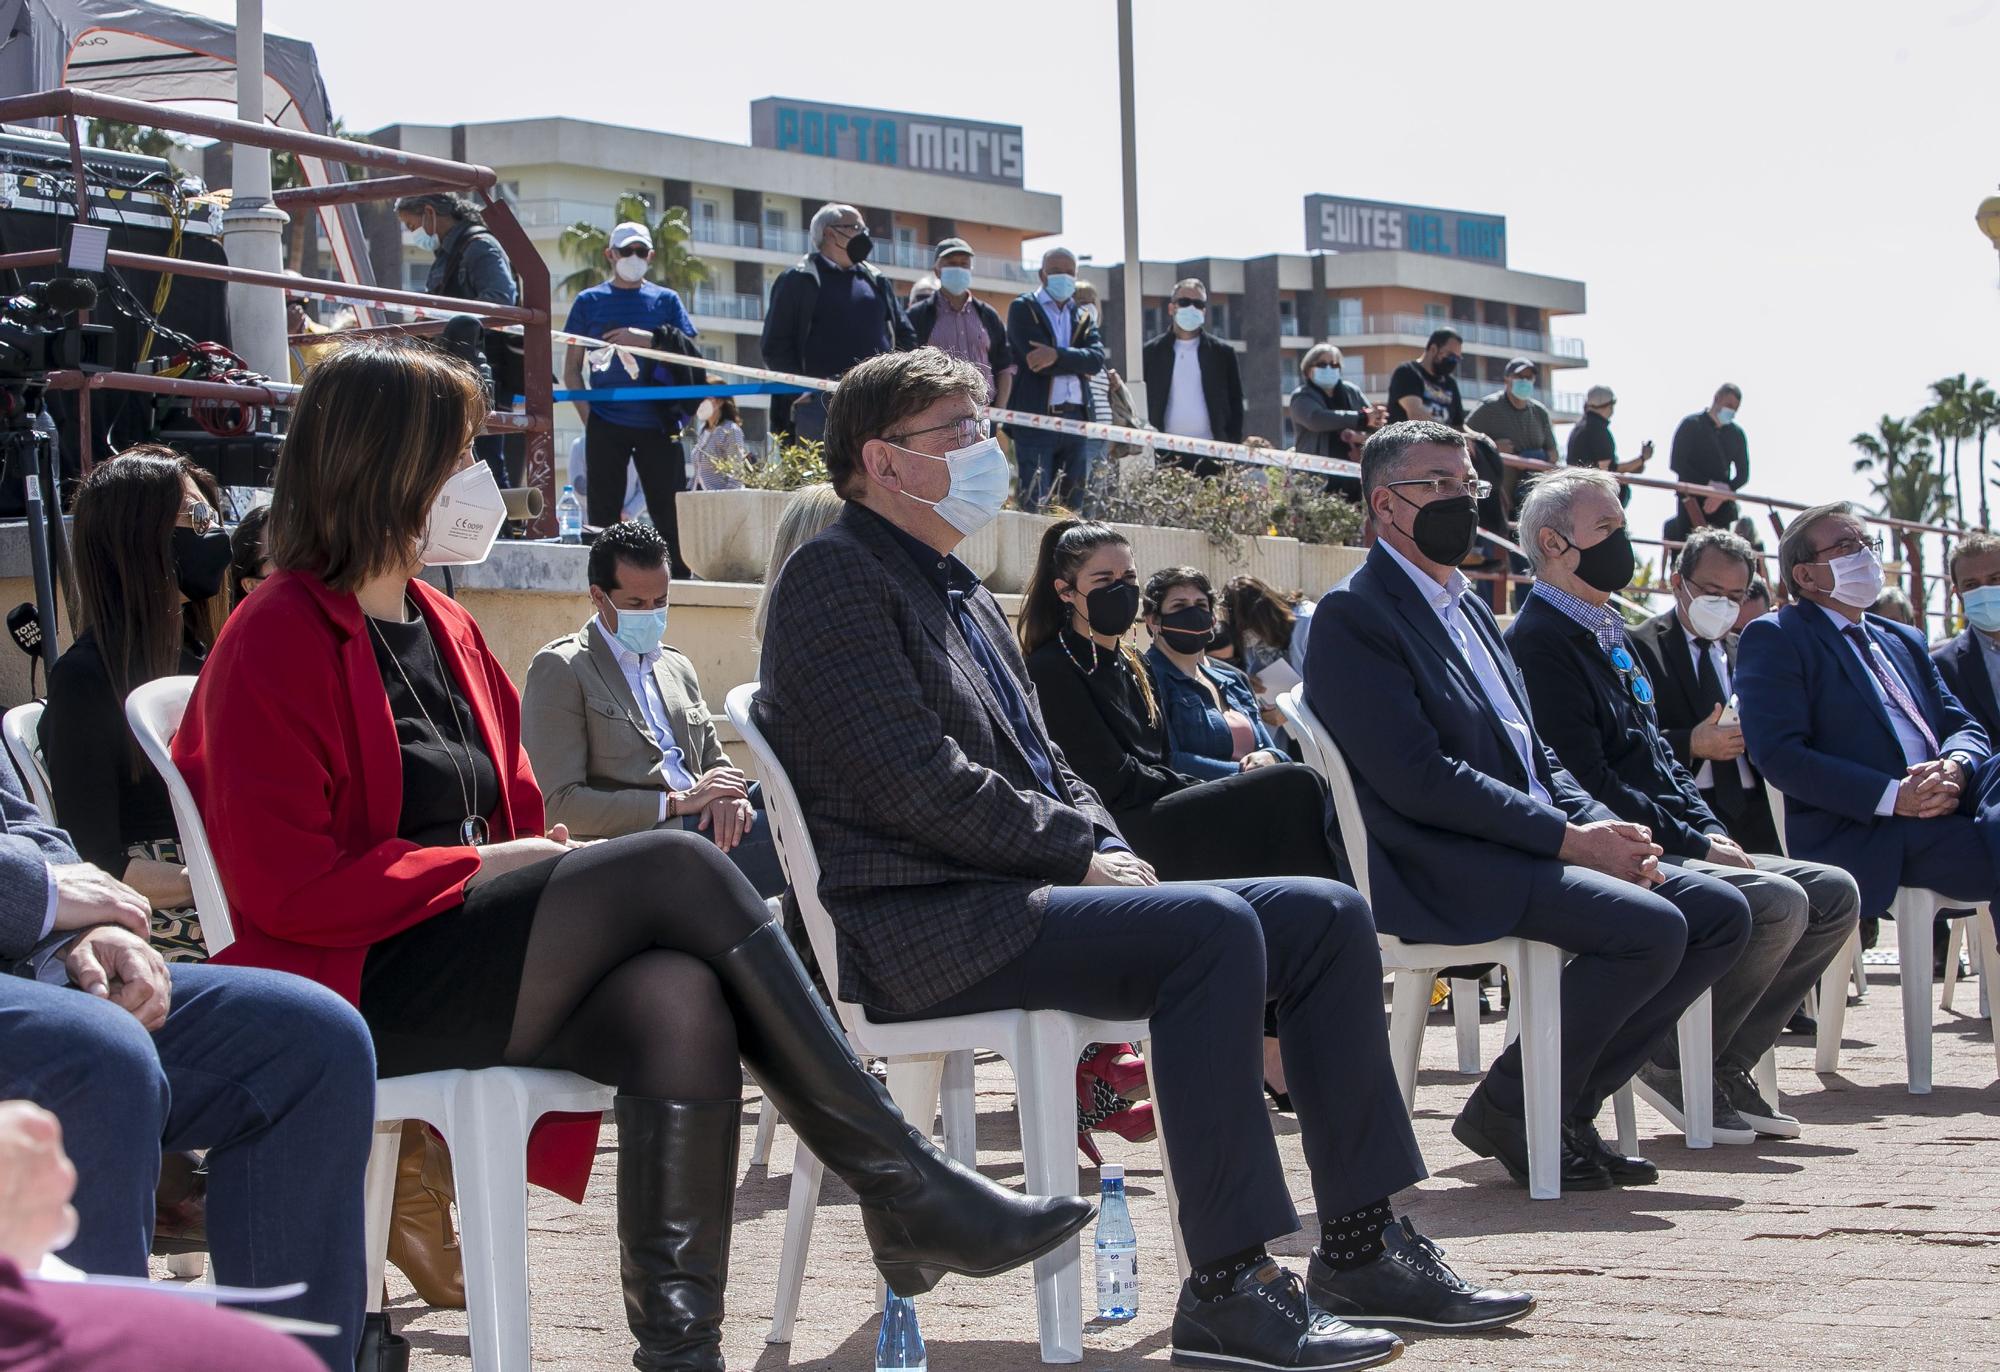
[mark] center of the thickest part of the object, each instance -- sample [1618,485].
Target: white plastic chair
[1041,1045]
[484,1115]
[1914,911]
[1535,1009]
[22,726]
[1959,941]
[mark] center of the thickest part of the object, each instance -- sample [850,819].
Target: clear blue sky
[1779,195]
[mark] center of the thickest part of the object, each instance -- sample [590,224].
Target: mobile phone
[1728,720]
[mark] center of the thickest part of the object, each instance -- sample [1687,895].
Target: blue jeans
[755,854]
[1051,468]
[272,1074]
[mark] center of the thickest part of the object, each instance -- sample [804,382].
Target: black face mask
[1189,630]
[1111,609]
[1444,530]
[1606,565]
[859,246]
[1446,365]
[200,560]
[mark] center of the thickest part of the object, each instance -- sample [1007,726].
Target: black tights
[615,986]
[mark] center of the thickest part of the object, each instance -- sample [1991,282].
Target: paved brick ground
[1873,1242]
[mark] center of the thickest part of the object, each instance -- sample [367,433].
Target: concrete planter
[727,535]
[1322,566]
[981,552]
[1153,549]
[1016,537]
[1273,560]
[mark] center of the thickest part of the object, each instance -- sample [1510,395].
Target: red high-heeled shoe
[1120,1068]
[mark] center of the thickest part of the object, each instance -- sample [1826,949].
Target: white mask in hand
[465,519]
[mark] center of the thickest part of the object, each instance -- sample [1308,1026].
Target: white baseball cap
[629,233]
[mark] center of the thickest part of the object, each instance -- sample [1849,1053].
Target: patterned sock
[1211,1281]
[1354,1239]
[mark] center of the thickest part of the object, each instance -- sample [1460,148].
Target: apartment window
[1152,325]
[1288,316]
[1218,317]
[1433,313]
[906,247]
[774,219]
[1347,315]
[707,212]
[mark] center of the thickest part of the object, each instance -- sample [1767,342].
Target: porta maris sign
[914,142]
[1339,224]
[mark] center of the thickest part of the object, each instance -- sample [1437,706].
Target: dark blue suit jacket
[1818,731]
[1454,838]
[1963,667]
[1610,742]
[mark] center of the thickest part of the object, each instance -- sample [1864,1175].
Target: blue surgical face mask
[1982,608]
[1726,415]
[641,630]
[979,478]
[1060,286]
[1326,378]
[957,280]
[424,239]
[1523,389]
[1189,318]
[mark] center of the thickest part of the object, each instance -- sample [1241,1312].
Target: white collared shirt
[1064,389]
[1915,748]
[653,706]
[1473,651]
[1704,779]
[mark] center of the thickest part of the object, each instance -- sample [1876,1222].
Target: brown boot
[422,1243]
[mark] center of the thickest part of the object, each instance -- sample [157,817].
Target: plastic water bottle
[900,1348]
[569,517]
[1117,1249]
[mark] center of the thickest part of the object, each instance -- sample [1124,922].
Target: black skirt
[442,993]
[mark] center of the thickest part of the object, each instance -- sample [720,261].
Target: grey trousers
[1800,916]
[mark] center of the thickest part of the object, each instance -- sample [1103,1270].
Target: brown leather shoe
[422,1242]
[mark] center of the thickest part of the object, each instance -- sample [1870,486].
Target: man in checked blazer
[967,869]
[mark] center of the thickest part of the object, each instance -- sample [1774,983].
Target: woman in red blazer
[355,752]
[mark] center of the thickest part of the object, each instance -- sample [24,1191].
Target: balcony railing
[560,214]
[1488,335]
[726,304]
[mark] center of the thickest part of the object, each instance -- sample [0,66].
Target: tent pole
[253,228]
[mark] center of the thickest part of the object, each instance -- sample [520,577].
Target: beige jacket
[600,771]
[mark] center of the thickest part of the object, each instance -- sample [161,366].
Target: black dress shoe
[1583,1138]
[1266,1321]
[1493,1133]
[1409,1287]
[1802,1024]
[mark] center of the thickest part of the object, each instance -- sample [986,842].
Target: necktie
[1726,776]
[1892,685]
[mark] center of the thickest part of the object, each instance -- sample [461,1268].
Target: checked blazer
[937,845]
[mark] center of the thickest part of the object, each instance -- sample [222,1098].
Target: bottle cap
[1111,1171]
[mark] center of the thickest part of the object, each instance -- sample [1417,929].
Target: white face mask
[980,475]
[1711,616]
[465,519]
[630,268]
[1857,579]
[1189,318]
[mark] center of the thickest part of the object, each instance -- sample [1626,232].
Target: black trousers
[607,449]
[1642,957]
[1271,822]
[1199,962]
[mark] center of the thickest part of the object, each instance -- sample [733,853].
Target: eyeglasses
[849,229]
[635,250]
[969,431]
[1186,302]
[1735,598]
[1448,487]
[1622,663]
[200,515]
[1848,547]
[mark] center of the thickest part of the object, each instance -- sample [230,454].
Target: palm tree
[1897,459]
[1982,414]
[673,264]
[123,137]
[286,174]
[1946,414]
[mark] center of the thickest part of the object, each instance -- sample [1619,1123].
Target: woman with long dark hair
[150,557]
[356,753]
[1104,712]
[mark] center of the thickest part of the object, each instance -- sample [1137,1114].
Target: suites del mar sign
[889,138]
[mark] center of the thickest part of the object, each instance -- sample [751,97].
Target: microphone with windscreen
[65,295]
[24,624]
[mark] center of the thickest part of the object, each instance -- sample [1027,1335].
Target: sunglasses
[1622,663]
[1185,303]
[634,250]
[200,515]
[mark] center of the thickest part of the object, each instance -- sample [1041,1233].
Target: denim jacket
[1198,740]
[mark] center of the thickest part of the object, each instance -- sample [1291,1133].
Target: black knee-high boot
[925,1215]
[676,1199]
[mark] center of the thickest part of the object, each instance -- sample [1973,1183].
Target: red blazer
[289,748]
